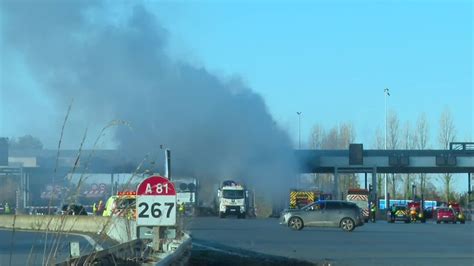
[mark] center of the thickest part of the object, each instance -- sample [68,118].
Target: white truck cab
[232,199]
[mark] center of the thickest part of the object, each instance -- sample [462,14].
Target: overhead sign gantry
[458,159]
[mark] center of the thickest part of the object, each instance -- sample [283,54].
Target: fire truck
[122,204]
[361,198]
[458,212]
[415,212]
[301,198]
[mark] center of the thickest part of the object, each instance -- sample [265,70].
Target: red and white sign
[156,202]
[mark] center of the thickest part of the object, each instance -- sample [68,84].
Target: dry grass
[55,231]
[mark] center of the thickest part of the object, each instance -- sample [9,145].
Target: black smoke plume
[118,68]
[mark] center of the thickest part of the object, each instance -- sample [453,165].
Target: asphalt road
[372,244]
[27,248]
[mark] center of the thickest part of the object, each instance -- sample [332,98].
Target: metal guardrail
[179,256]
[123,254]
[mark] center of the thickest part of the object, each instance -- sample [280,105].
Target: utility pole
[387,93]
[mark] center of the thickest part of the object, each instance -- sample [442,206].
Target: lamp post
[386,93]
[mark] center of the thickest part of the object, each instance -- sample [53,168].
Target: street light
[386,93]
[299,129]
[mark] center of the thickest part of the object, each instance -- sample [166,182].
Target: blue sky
[332,59]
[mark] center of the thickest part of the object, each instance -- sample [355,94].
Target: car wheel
[296,223]
[347,224]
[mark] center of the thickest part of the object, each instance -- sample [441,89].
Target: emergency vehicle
[301,198]
[398,213]
[415,212]
[458,212]
[361,198]
[122,205]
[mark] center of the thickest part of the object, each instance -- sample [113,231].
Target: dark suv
[327,213]
[73,209]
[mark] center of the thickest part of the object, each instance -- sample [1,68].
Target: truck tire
[241,216]
[438,222]
[221,215]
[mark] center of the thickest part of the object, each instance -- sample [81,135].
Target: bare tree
[347,136]
[317,136]
[422,132]
[338,137]
[379,144]
[421,140]
[393,139]
[331,139]
[26,142]
[408,143]
[447,134]
[316,142]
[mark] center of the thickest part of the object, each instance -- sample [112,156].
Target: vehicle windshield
[445,210]
[233,194]
[313,206]
[308,206]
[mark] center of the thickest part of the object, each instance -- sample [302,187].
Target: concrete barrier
[117,228]
[176,252]
[121,230]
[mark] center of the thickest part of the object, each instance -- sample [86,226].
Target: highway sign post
[156,202]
